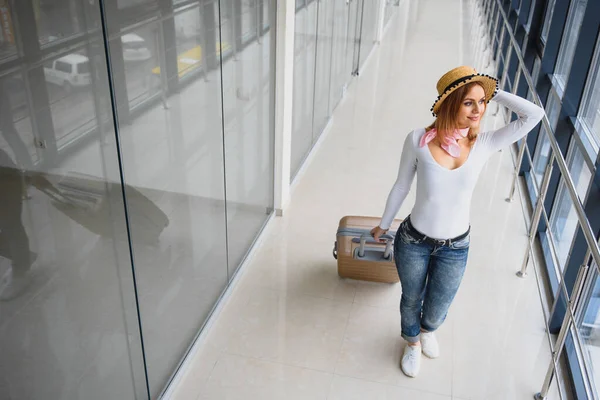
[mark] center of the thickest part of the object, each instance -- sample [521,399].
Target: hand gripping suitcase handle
[368,238]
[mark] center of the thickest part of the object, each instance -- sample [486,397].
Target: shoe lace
[414,353]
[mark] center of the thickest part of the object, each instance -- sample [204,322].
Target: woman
[432,243]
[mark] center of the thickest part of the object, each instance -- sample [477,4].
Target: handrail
[562,165]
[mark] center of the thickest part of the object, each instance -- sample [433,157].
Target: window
[536,70]
[569,42]
[589,113]
[563,219]
[530,17]
[57,20]
[589,328]
[548,20]
[7,33]
[83,68]
[542,149]
[63,67]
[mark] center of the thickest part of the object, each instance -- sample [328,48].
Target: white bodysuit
[443,201]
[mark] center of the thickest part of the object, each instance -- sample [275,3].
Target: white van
[134,48]
[72,70]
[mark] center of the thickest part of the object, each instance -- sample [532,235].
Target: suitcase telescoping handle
[367,238]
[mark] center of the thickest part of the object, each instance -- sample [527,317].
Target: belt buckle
[440,242]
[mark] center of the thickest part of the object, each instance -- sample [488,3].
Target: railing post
[536,216]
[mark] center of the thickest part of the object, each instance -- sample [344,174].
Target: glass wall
[562,55]
[305,44]
[331,38]
[390,7]
[136,161]
[368,32]
[69,327]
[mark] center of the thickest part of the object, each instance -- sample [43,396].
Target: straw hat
[459,77]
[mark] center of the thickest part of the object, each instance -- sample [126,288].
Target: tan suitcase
[359,256]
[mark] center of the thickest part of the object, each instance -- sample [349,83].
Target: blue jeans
[430,276]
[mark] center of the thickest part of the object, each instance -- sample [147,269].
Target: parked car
[134,48]
[70,71]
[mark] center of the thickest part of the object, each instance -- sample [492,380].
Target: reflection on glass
[132,3]
[7,31]
[188,27]
[322,111]
[68,316]
[368,31]
[250,14]
[339,70]
[589,328]
[541,157]
[266,17]
[590,112]
[15,122]
[57,19]
[543,148]
[71,96]
[563,219]
[248,130]
[548,19]
[143,72]
[174,158]
[569,41]
[305,40]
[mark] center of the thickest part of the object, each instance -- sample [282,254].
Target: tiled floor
[293,329]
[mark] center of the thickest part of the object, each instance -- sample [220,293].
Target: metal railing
[492,14]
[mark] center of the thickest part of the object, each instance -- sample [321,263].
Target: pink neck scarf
[449,142]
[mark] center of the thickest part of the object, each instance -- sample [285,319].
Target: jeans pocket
[462,243]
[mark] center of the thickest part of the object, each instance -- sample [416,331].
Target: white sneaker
[430,345]
[411,360]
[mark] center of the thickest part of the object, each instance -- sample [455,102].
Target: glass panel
[589,328]
[339,74]
[69,90]
[247,95]
[173,164]
[304,77]
[590,112]
[542,149]
[133,3]
[57,19]
[530,15]
[536,69]
[389,10]
[368,31]
[15,121]
[249,19]
[228,29]
[548,19]
[189,42]
[266,10]
[323,67]
[8,46]
[141,51]
[353,38]
[68,313]
[569,41]
[563,219]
